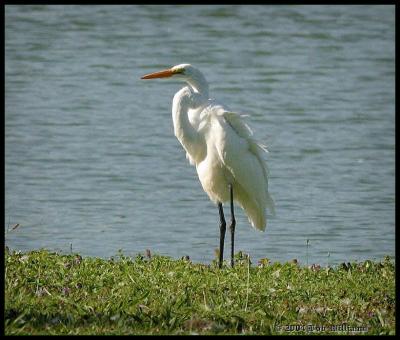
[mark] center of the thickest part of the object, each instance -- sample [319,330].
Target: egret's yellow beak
[161,74]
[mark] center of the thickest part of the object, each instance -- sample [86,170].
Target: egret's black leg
[222,229]
[232,226]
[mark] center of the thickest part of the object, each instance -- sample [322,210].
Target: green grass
[50,293]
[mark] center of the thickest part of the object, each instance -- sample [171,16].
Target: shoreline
[51,293]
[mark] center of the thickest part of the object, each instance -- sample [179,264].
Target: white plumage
[220,145]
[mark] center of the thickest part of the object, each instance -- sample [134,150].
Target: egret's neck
[180,108]
[199,84]
[186,133]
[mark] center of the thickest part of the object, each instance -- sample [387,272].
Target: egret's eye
[180,71]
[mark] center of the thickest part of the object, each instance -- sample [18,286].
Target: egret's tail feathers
[256,217]
[255,213]
[256,210]
[259,224]
[270,205]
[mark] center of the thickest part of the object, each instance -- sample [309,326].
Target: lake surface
[91,161]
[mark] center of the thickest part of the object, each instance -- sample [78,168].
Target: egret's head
[183,72]
[180,71]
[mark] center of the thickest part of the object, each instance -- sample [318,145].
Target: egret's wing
[242,155]
[243,130]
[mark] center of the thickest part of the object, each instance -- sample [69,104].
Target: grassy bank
[49,293]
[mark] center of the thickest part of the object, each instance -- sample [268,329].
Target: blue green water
[90,156]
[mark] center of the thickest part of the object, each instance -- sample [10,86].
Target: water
[90,156]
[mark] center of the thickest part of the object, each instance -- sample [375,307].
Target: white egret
[228,159]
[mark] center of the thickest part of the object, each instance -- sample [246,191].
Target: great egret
[227,158]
